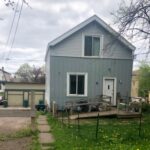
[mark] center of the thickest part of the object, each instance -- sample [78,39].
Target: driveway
[13,124]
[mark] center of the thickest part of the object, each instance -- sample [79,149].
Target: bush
[146,107]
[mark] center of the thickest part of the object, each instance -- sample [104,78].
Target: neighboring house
[89,60]
[16,92]
[135,84]
[2,86]
[4,77]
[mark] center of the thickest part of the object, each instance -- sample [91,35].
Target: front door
[109,89]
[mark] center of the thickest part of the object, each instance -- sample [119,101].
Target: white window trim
[101,36]
[85,83]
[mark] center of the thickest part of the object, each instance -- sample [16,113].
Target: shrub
[146,107]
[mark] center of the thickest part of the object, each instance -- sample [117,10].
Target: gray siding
[73,45]
[96,69]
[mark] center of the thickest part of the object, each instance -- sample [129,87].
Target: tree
[144,79]
[12,3]
[25,72]
[38,74]
[31,74]
[133,19]
[9,3]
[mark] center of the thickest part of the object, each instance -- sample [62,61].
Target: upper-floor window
[92,45]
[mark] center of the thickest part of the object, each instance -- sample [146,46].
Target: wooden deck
[113,112]
[126,114]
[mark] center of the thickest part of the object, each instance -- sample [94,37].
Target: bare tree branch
[133,18]
[11,3]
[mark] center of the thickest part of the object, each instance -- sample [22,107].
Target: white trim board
[85,83]
[101,36]
[71,56]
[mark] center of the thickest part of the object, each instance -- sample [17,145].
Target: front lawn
[114,134]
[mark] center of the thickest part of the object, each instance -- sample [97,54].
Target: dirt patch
[16,144]
[12,124]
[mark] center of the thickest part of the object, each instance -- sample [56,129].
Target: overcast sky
[44,21]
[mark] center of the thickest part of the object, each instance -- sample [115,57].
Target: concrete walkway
[45,137]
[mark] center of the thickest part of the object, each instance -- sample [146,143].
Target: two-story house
[4,76]
[89,60]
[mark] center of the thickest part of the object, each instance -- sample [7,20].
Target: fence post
[78,109]
[54,108]
[32,110]
[68,113]
[140,124]
[97,126]
[62,115]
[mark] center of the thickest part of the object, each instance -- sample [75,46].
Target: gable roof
[85,23]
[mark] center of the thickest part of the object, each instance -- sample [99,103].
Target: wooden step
[128,115]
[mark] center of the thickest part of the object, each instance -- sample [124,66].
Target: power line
[12,23]
[27,4]
[15,30]
[11,27]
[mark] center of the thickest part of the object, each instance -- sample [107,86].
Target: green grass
[19,134]
[35,145]
[113,134]
[35,137]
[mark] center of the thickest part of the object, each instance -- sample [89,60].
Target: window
[76,84]
[92,46]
